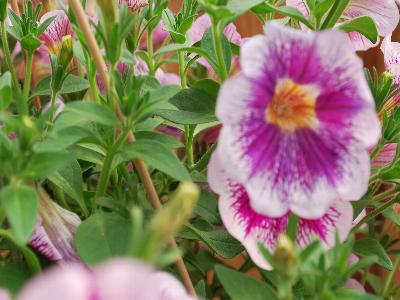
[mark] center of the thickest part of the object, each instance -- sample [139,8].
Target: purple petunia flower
[118,279]
[54,233]
[134,5]
[297,122]
[52,36]
[384,13]
[251,227]
[391,52]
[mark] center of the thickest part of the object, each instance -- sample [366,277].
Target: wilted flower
[251,227]
[297,122]
[54,33]
[134,4]
[54,233]
[118,279]
[384,13]
[391,52]
[385,156]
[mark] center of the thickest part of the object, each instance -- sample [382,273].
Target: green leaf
[371,247]
[69,179]
[351,294]
[201,289]
[194,100]
[156,155]
[101,236]
[185,117]
[221,242]
[30,42]
[184,47]
[21,204]
[12,276]
[72,84]
[93,112]
[243,287]
[207,208]
[292,12]
[239,7]
[335,13]
[364,25]
[43,164]
[5,90]
[166,140]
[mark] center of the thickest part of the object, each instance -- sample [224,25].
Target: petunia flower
[391,52]
[54,233]
[4,294]
[52,36]
[297,122]
[118,279]
[384,12]
[201,24]
[134,5]
[250,227]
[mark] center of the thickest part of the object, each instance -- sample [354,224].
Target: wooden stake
[140,165]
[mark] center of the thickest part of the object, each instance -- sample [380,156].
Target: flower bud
[66,52]
[285,255]
[3,10]
[169,220]
[107,8]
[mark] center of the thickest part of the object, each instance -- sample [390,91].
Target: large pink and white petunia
[54,233]
[391,53]
[297,122]
[250,227]
[384,12]
[118,279]
[52,36]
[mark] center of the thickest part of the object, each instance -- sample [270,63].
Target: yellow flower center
[292,106]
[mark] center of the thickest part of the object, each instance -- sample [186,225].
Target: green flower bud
[169,220]
[107,8]
[3,10]
[285,255]
[66,52]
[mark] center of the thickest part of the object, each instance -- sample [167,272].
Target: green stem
[150,50]
[389,278]
[217,38]
[374,213]
[182,69]
[14,79]
[28,75]
[95,90]
[106,170]
[384,195]
[189,145]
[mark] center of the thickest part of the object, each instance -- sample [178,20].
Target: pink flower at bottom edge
[117,279]
[4,294]
[251,227]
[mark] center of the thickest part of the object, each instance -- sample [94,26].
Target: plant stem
[374,213]
[389,278]
[150,50]
[95,90]
[106,170]
[182,69]
[384,195]
[28,75]
[14,79]
[216,33]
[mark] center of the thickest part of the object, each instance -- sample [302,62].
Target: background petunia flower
[118,279]
[251,227]
[384,12]
[4,295]
[134,5]
[52,36]
[391,53]
[201,24]
[54,233]
[297,122]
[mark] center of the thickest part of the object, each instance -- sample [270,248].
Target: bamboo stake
[140,165]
